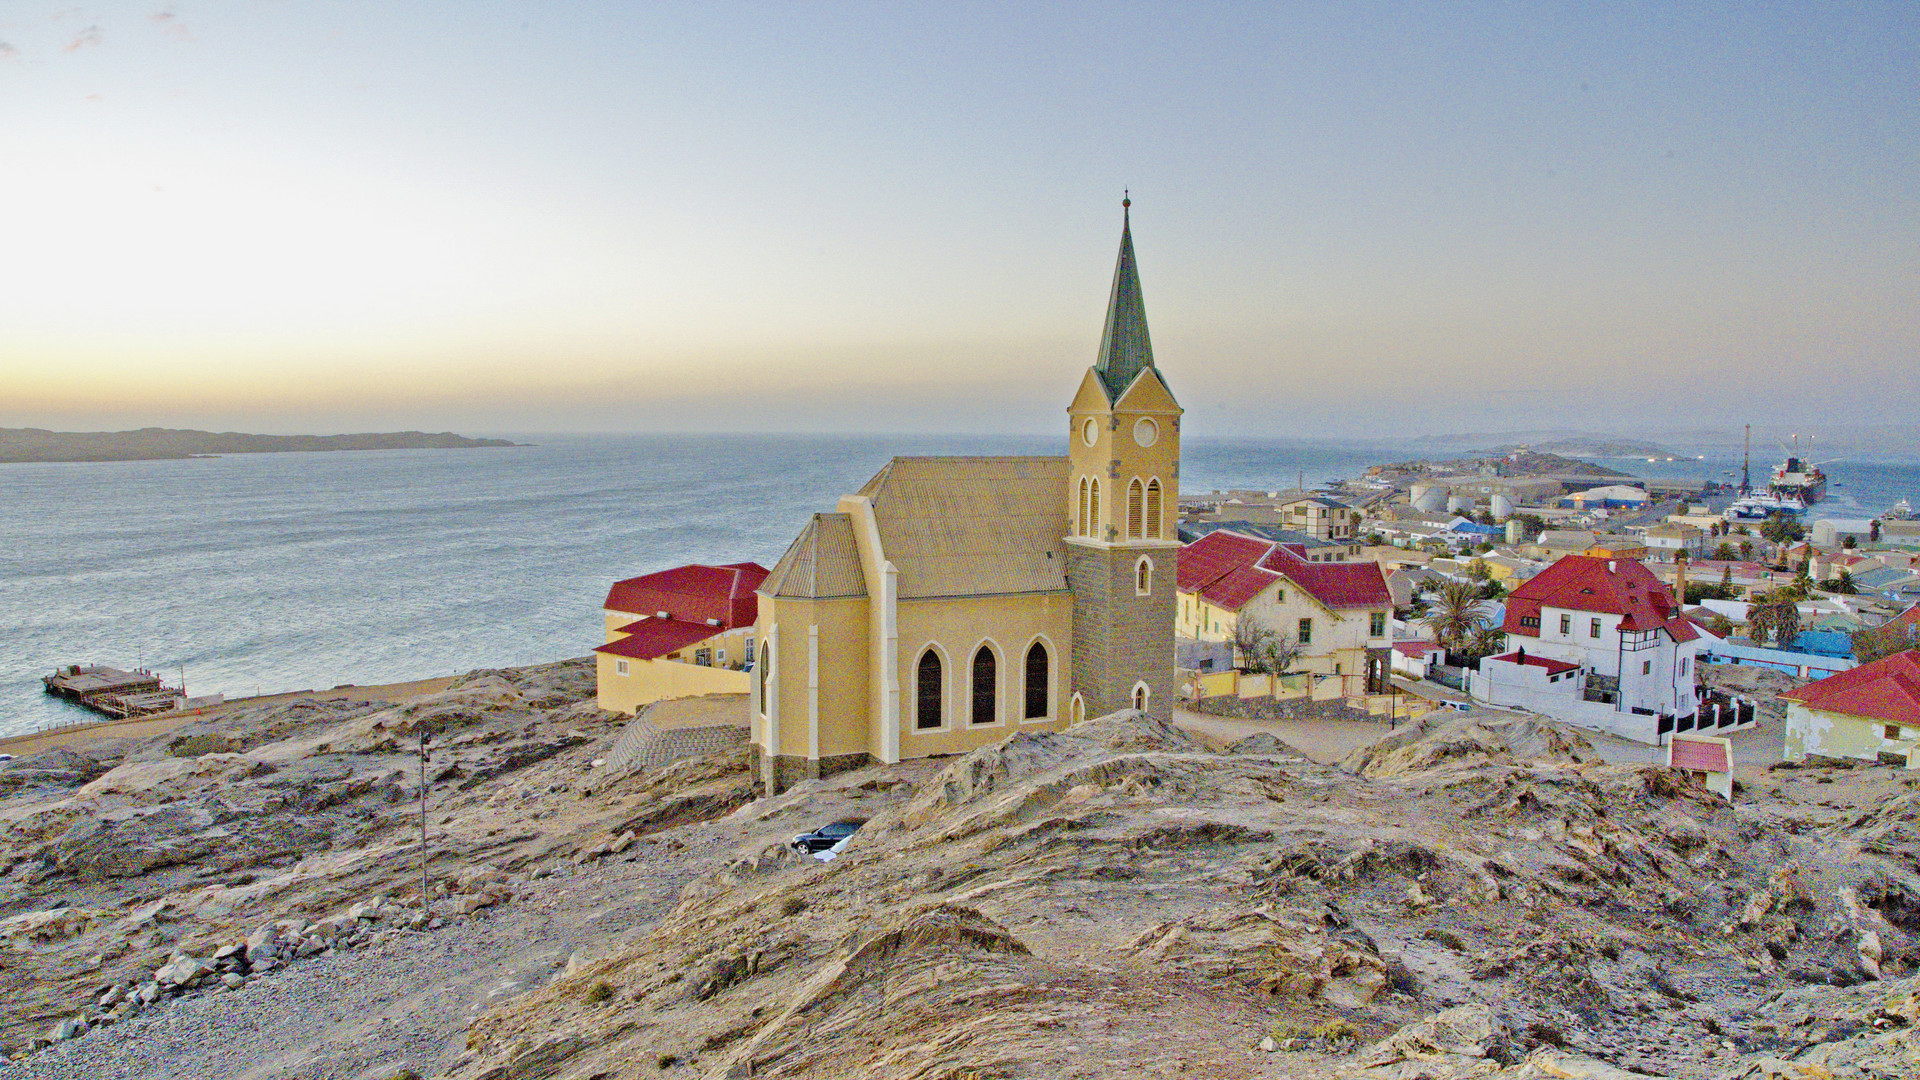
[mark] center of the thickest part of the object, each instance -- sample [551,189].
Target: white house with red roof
[1598,642]
[678,633]
[1341,614]
[1870,712]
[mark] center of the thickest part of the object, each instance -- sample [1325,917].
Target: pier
[113,692]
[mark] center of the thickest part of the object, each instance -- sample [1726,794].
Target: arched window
[762,673]
[926,691]
[1078,709]
[1153,508]
[986,686]
[1081,528]
[1093,508]
[1037,688]
[1143,577]
[1136,497]
[1141,697]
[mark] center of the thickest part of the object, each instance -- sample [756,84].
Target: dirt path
[146,727]
[368,1014]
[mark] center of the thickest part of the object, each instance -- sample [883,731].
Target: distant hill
[147,444]
[1591,447]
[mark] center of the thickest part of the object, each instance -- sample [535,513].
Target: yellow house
[953,600]
[1340,614]
[678,633]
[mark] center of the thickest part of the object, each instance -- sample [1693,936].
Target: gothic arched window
[927,691]
[986,685]
[1038,673]
[1083,526]
[762,675]
[1136,497]
[1153,508]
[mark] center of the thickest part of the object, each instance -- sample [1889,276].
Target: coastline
[84,732]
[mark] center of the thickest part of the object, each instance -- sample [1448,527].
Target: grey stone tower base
[1119,637]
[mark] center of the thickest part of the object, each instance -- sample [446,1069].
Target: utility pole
[424,903]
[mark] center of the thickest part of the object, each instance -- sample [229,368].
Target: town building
[1338,614]
[1610,496]
[1674,536]
[1617,546]
[1555,544]
[682,632]
[1320,517]
[954,600]
[1871,712]
[1311,548]
[1599,643]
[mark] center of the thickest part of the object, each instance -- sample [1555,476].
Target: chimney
[1680,581]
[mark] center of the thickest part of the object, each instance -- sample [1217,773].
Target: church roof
[973,526]
[1125,349]
[822,563]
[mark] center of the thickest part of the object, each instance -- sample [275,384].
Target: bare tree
[1278,654]
[1249,639]
[1261,649]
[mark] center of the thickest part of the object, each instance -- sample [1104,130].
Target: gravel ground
[369,1013]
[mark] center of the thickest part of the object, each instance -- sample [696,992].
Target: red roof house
[1886,691]
[1623,587]
[1229,569]
[682,606]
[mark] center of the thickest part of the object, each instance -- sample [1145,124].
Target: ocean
[271,572]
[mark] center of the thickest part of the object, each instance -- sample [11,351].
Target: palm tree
[1487,640]
[1776,617]
[1453,613]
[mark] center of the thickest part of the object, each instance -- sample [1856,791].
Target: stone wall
[1120,638]
[790,770]
[642,746]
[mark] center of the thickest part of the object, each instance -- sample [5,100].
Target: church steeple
[1125,348]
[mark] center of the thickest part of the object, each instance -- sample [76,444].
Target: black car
[825,837]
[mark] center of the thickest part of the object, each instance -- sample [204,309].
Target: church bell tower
[1123,502]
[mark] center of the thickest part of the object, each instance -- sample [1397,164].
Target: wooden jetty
[113,692]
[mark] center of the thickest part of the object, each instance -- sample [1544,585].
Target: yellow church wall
[956,627]
[840,626]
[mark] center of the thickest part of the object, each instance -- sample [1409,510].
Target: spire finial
[1126,200]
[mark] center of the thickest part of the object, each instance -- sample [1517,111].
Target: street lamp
[425,905]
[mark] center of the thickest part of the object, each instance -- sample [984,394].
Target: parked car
[825,837]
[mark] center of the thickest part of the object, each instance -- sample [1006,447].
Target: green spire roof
[1124,347]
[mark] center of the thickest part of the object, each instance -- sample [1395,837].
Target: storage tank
[1428,497]
[1502,507]
[1460,504]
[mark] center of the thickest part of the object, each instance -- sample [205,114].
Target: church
[952,601]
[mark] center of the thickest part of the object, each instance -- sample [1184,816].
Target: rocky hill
[1472,898]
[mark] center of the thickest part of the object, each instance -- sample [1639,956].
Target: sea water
[270,572]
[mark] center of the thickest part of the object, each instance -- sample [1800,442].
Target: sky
[1351,219]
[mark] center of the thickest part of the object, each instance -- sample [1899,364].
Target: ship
[1900,511]
[1762,507]
[1797,478]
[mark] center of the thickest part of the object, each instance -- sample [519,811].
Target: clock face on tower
[1146,432]
[1090,431]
